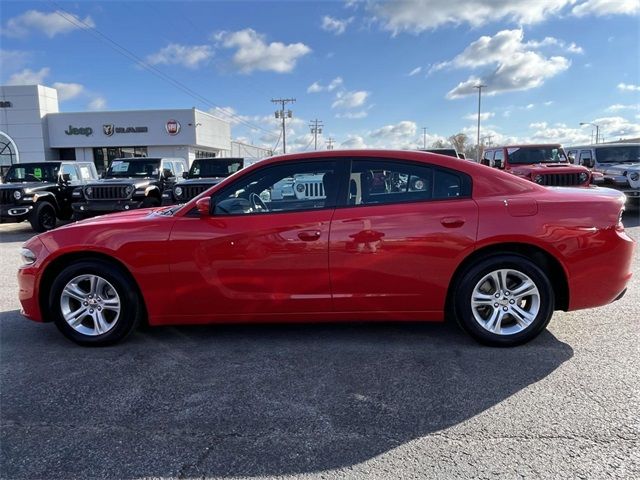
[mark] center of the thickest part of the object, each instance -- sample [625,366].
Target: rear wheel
[94,303]
[504,300]
[43,217]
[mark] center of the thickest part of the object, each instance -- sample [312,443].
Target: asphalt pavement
[320,401]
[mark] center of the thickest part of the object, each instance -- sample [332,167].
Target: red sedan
[338,236]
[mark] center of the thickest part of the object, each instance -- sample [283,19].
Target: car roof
[521,145]
[605,145]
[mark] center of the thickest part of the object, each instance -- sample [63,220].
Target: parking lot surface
[320,401]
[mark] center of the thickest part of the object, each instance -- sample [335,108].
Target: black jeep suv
[42,192]
[128,183]
[204,173]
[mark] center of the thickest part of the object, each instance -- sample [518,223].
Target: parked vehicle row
[396,235]
[47,191]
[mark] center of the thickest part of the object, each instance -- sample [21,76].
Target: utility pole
[330,143]
[479,87]
[316,128]
[424,137]
[488,138]
[283,115]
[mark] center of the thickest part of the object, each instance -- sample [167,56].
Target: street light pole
[593,125]
[424,141]
[479,87]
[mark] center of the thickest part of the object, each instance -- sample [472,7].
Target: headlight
[128,189]
[538,179]
[28,257]
[300,187]
[584,176]
[88,191]
[178,191]
[17,194]
[634,176]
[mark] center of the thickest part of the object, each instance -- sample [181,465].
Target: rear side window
[382,181]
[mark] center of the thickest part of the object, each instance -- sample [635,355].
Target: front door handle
[452,222]
[309,235]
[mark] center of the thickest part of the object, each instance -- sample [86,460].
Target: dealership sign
[86,131]
[109,129]
[173,127]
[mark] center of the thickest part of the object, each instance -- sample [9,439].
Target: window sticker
[37,172]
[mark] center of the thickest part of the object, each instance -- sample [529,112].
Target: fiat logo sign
[173,127]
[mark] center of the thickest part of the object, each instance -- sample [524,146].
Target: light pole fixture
[593,125]
[479,87]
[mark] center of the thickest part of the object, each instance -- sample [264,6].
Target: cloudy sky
[375,72]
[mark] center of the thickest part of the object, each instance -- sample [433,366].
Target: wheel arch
[549,264]
[52,270]
[48,197]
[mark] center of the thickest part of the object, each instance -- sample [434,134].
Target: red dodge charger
[338,236]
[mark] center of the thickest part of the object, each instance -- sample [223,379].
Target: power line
[283,115]
[150,68]
[316,128]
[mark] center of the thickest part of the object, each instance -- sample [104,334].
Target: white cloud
[483,116]
[548,103]
[335,25]
[229,114]
[619,107]
[353,115]
[67,91]
[190,56]
[400,130]
[253,53]
[51,24]
[415,71]
[515,66]
[98,103]
[347,100]
[600,8]
[29,77]
[419,15]
[627,87]
[354,142]
[317,87]
[13,59]
[614,128]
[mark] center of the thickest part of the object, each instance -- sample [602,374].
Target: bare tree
[459,142]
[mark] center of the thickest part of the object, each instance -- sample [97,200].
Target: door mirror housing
[203,205]
[65,178]
[588,162]
[185,175]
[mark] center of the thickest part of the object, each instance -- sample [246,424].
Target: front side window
[33,172]
[618,154]
[390,181]
[71,171]
[288,187]
[216,167]
[585,157]
[533,155]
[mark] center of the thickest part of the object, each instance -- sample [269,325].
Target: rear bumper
[99,207]
[602,275]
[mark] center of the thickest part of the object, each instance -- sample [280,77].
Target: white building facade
[32,129]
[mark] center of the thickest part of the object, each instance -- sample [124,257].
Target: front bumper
[105,206]
[14,213]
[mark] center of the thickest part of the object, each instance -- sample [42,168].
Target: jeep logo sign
[86,131]
[173,127]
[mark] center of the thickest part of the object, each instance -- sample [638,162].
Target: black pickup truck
[203,174]
[128,183]
[42,192]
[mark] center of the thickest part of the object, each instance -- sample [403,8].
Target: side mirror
[203,205]
[588,162]
[65,178]
[185,175]
[497,163]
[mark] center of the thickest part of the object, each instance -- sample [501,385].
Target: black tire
[77,216]
[43,217]
[151,202]
[131,308]
[464,312]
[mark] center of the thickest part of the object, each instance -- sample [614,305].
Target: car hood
[26,185]
[201,181]
[548,168]
[137,182]
[619,168]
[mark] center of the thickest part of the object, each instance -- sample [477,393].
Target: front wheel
[94,303]
[43,217]
[504,301]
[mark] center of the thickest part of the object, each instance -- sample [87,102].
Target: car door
[256,255]
[396,249]
[66,189]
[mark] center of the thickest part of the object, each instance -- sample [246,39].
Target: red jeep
[543,164]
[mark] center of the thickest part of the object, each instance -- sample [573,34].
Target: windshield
[618,154]
[218,167]
[133,168]
[33,172]
[531,155]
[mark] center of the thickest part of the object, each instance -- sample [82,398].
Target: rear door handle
[309,235]
[452,222]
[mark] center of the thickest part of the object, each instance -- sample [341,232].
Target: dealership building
[32,129]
